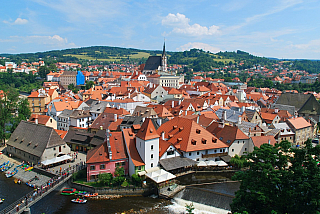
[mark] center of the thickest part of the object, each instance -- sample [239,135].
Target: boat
[4,166]
[12,173]
[28,169]
[1,200]
[91,195]
[68,191]
[8,167]
[79,201]
[81,193]
[17,181]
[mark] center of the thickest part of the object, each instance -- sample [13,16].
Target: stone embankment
[105,197]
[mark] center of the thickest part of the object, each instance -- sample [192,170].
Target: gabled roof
[101,152]
[61,133]
[188,136]
[147,131]
[130,137]
[291,99]
[298,123]
[227,134]
[103,121]
[42,119]
[153,62]
[259,140]
[161,111]
[34,138]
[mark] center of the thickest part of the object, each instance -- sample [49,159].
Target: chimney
[243,109]
[115,117]
[268,141]
[143,119]
[159,121]
[172,105]
[249,132]
[198,119]
[129,95]
[179,102]
[118,106]
[224,116]
[239,120]
[36,120]
[162,135]
[186,113]
[276,110]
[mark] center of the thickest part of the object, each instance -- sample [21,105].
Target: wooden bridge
[22,205]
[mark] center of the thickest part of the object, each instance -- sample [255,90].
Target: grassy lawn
[139,55]
[224,60]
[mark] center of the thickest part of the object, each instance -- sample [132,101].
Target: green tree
[136,180]
[280,179]
[238,161]
[89,84]
[105,178]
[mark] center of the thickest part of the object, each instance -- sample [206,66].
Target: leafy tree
[89,84]
[280,179]
[136,180]
[119,176]
[105,178]
[238,161]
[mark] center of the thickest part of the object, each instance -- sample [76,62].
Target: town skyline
[281,29]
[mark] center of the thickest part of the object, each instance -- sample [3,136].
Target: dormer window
[180,129]
[174,127]
[214,140]
[204,141]
[198,131]
[193,142]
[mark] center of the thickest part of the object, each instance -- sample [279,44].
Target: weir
[22,205]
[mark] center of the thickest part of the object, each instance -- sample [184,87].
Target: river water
[56,203]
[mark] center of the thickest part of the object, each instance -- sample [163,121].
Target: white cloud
[18,21]
[180,25]
[199,45]
[313,45]
[54,41]
[283,5]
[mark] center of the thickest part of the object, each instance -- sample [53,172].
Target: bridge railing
[19,205]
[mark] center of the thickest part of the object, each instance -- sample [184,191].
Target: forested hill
[196,59]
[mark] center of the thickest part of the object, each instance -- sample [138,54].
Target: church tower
[164,59]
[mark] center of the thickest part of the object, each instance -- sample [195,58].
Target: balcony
[215,155]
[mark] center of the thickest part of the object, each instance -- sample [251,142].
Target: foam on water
[179,206]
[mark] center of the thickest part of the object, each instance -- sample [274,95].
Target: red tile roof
[130,137]
[61,133]
[147,130]
[42,119]
[101,154]
[189,136]
[299,123]
[259,140]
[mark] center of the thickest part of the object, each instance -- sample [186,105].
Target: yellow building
[38,100]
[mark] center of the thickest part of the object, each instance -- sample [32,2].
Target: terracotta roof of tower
[147,130]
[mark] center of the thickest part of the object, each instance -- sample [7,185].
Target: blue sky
[273,28]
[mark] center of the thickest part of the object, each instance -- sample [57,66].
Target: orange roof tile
[299,123]
[259,140]
[129,137]
[189,136]
[147,130]
[61,133]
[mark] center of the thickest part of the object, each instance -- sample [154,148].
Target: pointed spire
[164,48]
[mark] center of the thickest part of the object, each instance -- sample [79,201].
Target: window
[92,167]
[50,120]
[189,153]
[139,167]
[54,148]
[151,147]
[232,150]
[245,149]
[170,152]
[197,159]
[197,153]
[151,164]
[102,166]
[151,156]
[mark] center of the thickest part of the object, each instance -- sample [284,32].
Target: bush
[136,180]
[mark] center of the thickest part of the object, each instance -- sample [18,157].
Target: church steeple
[164,49]
[164,58]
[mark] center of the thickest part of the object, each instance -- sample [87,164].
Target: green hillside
[196,59]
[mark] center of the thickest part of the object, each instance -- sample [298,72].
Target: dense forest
[196,59]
